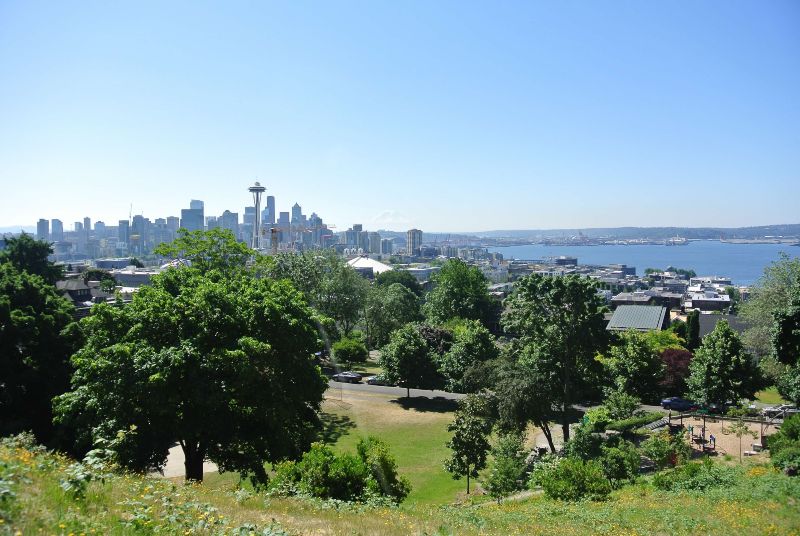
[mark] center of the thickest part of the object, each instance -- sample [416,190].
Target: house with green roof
[639,318]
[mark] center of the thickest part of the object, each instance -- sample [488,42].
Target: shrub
[346,477]
[507,467]
[542,467]
[666,450]
[350,350]
[573,480]
[788,460]
[620,463]
[621,405]
[584,444]
[696,477]
[375,454]
[632,423]
[598,418]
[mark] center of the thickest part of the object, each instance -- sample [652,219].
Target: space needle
[257,190]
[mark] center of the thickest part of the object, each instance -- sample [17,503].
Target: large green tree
[219,361]
[37,336]
[722,370]
[27,254]
[403,277]
[772,293]
[388,308]
[460,291]
[331,286]
[526,394]
[408,360]
[560,326]
[470,444]
[473,344]
[786,345]
[635,366]
[215,249]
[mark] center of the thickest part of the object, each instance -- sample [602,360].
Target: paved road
[386,390]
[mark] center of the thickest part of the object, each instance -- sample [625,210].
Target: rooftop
[638,317]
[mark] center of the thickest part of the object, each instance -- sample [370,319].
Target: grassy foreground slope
[41,493]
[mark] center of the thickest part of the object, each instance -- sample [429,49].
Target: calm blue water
[743,263]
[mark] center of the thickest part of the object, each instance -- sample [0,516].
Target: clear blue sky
[442,115]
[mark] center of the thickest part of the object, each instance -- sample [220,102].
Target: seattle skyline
[449,117]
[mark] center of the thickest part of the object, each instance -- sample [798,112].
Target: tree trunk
[565,422]
[193,462]
[467,481]
[408,392]
[549,436]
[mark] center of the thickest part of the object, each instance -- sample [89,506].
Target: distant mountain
[785,230]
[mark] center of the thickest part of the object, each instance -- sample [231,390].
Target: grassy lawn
[759,501]
[416,431]
[367,368]
[770,396]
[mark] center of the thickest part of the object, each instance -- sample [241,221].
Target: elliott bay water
[743,263]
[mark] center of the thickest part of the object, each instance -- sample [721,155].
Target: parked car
[378,379]
[347,377]
[678,404]
[714,409]
[783,410]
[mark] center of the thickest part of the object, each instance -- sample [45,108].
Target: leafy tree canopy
[560,327]
[37,336]
[350,350]
[722,371]
[460,291]
[27,254]
[331,286]
[220,363]
[471,427]
[635,366]
[215,249]
[408,360]
[771,294]
[403,277]
[472,345]
[389,307]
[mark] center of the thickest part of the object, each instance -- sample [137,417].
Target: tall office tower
[248,222]
[192,219]
[270,210]
[413,242]
[138,235]
[387,246]
[357,227]
[80,238]
[230,220]
[43,229]
[87,226]
[283,219]
[212,222]
[160,232]
[257,190]
[297,213]
[351,237]
[124,232]
[57,230]
[99,229]
[363,241]
[375,243]
[173,224]
[195,204]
